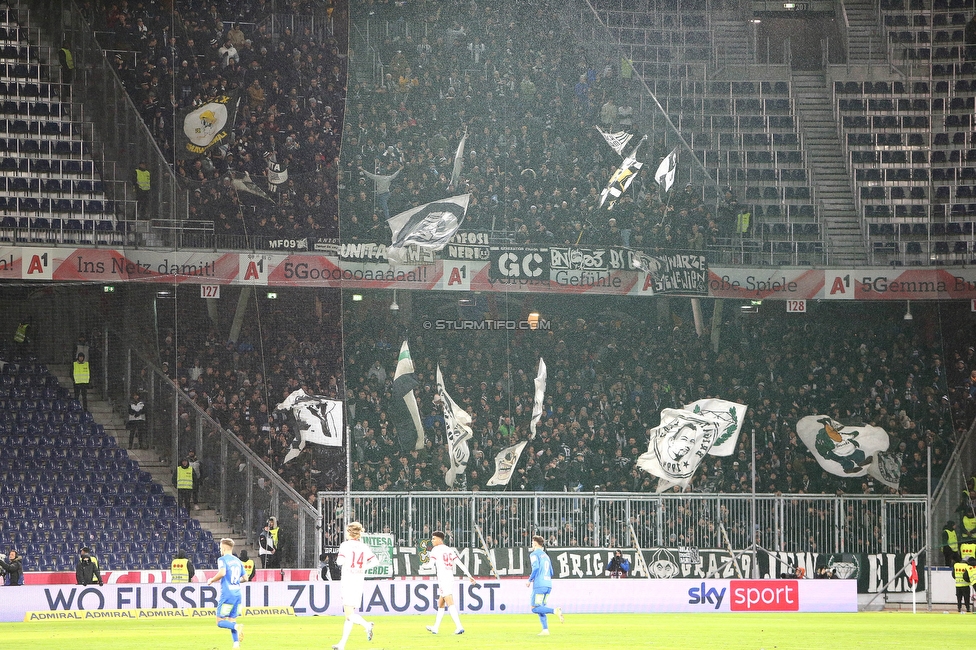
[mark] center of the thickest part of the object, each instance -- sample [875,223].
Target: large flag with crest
[208,125]
[686,435]
[538,404]
[677,446]
[728,417]
[842,450]
[622,178]
[313,418]
[667,171]
[405,413]
[428,226]
[505,462]
[457,427]
[617,141]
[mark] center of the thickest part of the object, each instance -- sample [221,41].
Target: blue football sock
[233,635]
[227,625]
[545,621]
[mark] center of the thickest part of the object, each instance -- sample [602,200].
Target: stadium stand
[52,191]
[64,484]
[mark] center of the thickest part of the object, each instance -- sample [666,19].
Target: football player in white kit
[444,558]
[355,558]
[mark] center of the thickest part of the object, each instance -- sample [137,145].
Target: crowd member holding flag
[355,558]
[444,558]
[383,183]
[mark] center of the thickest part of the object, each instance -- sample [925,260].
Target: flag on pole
[617,141]
[667,170]
[540,396]
[428,226]
[677,446]
[458,159]
[845,451]
[405,412]
[913,575]
[207,125]
[728,418]
[314,419]
[457,426]
[277,172]
[505,462]
[622,178]
[887,468]
[245,184]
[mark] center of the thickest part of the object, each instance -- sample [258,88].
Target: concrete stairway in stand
[866,44]
[830,176]
[150,460]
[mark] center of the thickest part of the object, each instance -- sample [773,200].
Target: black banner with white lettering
[872,571]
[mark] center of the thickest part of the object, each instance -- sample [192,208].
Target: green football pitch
[866,631]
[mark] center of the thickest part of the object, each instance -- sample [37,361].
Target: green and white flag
[842,450]
[728,417]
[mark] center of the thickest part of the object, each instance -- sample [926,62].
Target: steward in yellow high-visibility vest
[21,334]
[67,62]
[184,484]
[181,569]
[950,544]
[960,572]
[248,565]
[143,180]
[81,374]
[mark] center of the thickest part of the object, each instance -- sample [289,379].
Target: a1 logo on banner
[38,263]
[796,306]
[838,285]
[253,269]
[457,276]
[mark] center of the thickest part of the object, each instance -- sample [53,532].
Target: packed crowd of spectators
[528,97]
[173,57]
[609,378]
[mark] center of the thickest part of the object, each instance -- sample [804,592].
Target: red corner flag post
[913,581]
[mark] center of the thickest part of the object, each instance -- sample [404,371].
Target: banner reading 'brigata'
[568,270]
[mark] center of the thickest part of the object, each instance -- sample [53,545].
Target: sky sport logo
[764,596]
[488,324]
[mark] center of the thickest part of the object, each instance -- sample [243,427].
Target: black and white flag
[622,178]
[457,427]
[429,226]
[617,141]
[316,420]
[458,160]
[277,173]
[505,462]
[667,171]
[540,396]
[405,413]
[245,184]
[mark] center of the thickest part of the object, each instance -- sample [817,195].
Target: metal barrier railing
[798,522]
[236,482]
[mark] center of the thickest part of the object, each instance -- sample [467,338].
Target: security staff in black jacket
[86,571]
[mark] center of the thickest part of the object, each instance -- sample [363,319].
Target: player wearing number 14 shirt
[355,558]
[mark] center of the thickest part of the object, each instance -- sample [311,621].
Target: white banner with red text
[521,269]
